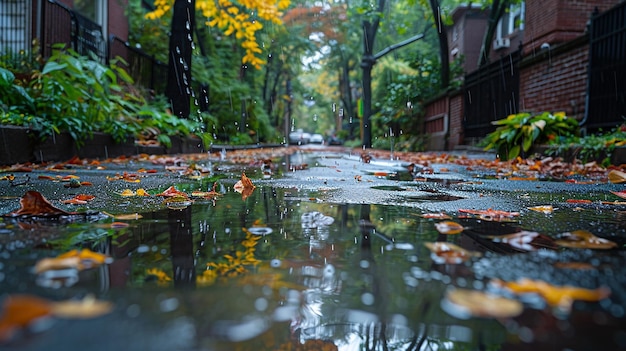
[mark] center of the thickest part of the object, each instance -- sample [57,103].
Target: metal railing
[58,24]
[145,70]
[491,93]
[606,83]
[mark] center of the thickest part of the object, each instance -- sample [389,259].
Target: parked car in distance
[299,137]
[316,139]
[333,140]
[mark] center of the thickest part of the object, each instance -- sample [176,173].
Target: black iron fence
[54,23]
[606,95]
[491,93]
[145,69]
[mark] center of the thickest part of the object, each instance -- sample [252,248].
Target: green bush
[594,147]
[517,133]
[79,95]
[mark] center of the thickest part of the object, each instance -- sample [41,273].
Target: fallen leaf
[74,201]
[578,201]
[449,227]
[545,209]
[171,192]
[617,177]
[131,216]
[19,311]
[443,252]
[439,215]
[621,194]
[574,265]
[557,296]
[177,202]
[77,259]
[465,303]
[244,186]
[89,307]
[491,215]
[127,192]
[84,197]
[582,239]
[34,204]
[142,192]
[526,240]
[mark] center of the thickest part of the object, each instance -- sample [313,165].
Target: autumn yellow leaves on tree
[238,18]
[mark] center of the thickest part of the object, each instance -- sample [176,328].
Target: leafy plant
[517,133]
[598,147]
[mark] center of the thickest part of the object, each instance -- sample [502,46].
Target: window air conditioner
[501,43]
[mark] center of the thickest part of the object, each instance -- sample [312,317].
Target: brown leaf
[464,303]
[443,252]
[79,260]
[449,227]
[86,308]
[559,296]
[526,240]
[621,194]
[617,177]
[244,186]
[34,204]
[171,192]
[582,239]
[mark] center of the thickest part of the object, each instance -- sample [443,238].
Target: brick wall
[556,80]
[455,137]
[558,21]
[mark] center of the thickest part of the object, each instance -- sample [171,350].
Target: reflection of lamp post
[181,247]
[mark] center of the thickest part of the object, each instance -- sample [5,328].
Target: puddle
[279,271]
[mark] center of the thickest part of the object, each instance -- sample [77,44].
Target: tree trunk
[179,88]
[443,44]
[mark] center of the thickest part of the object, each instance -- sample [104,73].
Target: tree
[178,90]
[497,9]
[242,19]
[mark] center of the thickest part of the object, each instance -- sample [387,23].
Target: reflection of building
[545,56]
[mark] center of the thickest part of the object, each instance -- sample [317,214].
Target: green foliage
[595,147]
[517,133]
[79,95]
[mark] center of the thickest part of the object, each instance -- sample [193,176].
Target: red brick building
[551,75]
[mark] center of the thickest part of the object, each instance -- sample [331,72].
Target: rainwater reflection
[273,272]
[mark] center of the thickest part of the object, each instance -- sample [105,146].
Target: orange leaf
[582,239]
[244,186]
[545,209]
[34,204]
[74,201]
[443,252]
[560,296]
[84,197]
[86,308]
[171,192]
[448,227]
[464,303]
[439,215]
[18,311]
[578,201]
[491,215]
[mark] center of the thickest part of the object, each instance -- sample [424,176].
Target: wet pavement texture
[339,259]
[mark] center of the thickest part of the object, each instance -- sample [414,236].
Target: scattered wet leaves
[582,239]
[465,303]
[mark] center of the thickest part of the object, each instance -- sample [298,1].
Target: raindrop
[178,50]
[169,305]
[367,299]
[187,25]
[275,263]
[261,304]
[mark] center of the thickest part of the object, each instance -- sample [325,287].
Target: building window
[511,21]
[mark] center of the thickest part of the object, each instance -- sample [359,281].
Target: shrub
[517,133]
